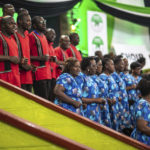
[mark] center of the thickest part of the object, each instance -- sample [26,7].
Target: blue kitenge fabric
[89,90]
[129,81]
[112,94]
[123,104]
[142,111]
[72,90]
[80,80]
[103,92]
[133,94]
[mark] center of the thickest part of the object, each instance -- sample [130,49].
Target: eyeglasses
[42,22]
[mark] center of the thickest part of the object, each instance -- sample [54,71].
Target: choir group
[98,87]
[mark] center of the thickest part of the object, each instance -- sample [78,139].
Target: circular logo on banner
[97,43]
[96,22]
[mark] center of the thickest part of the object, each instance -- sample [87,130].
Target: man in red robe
[72,51]
[9,58]
[40,58]
[61,53]
[22,39]
[8,10]
[51,35]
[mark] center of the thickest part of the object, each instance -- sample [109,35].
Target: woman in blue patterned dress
[103,92]
[90,91]
[108,68]
[142,114]
[135,72]
[131,81]
[123,96]
[68,93]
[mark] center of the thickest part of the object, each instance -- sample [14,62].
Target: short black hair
[97,59]
[96,52]
[86,62]
[70,62]
[105,61]
[141,60]
[106,56]
[6,6]
[35,20]
[21,17]
[5,19]
[71,35]
[22,11]
[111,55]
[135,65]
[117,59]
[144,87]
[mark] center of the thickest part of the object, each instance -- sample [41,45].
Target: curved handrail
[40,131]
[76,117]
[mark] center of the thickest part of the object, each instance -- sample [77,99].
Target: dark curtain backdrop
[120,13]
[54,22]
[48,9]
[147,4]
[51,11]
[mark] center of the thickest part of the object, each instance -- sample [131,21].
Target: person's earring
[88,70]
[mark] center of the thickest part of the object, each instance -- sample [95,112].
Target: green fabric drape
[90,5]
[144,10]
[135,14]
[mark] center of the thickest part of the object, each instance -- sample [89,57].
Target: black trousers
[27,87]
[42,88]
[52,95]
